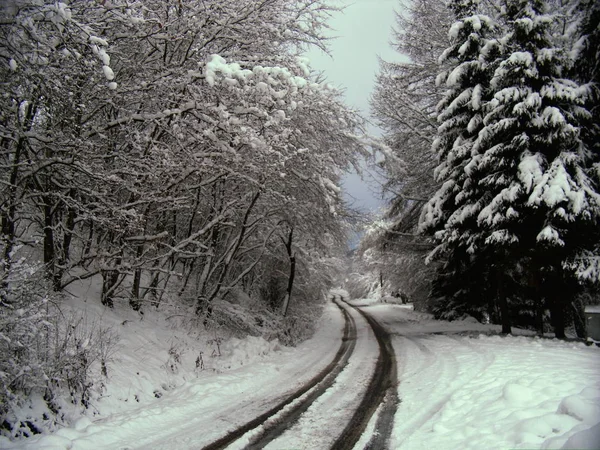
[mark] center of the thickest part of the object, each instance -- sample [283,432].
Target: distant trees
[404,105]
[516,212]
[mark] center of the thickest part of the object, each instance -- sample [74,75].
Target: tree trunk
[106,297]
[539,315]
[557,312]
[172,265]
[288,294]
[153,286]
[49,254]
[579,318]
[186,278]
[65,251]
[503,303]
[534,283]
[8,236]
[110,281]
[9,218]
[135,301]
[88,244]
[539,303]
[491,309]
[290,286]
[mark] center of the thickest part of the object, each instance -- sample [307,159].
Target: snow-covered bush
[46,359]
[299,324]
[240,315]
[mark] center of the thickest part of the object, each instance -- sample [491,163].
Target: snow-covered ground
[461,389]
[155,397]
[458,386]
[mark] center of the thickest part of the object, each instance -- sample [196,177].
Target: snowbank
[461,386]
[166,383]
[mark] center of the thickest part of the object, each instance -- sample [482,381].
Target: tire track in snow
[324,379]
[452,368]
[381,389]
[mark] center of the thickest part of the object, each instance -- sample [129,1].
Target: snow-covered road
[201,412]
[455,386]
[322,423]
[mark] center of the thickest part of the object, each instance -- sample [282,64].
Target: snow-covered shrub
[241,320]
[176,352]
[299,324]
[46,358]
[240,315]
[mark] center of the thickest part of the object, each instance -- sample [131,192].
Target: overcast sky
[363,32]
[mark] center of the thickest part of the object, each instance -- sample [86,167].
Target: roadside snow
[489,392]
[459,386]
[155,396]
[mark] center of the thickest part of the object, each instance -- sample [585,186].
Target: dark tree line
[496,186]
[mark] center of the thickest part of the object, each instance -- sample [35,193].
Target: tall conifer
[532,160]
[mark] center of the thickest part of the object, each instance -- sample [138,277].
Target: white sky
[363,33]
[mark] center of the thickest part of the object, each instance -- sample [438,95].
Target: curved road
[320,383]
[382,387]
[380,395]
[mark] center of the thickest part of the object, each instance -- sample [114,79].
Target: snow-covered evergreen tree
[518,207]
[530,164]
[585,54]
[451,214]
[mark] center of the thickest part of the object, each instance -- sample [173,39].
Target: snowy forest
[495,166]
[185,157]
[173,150]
